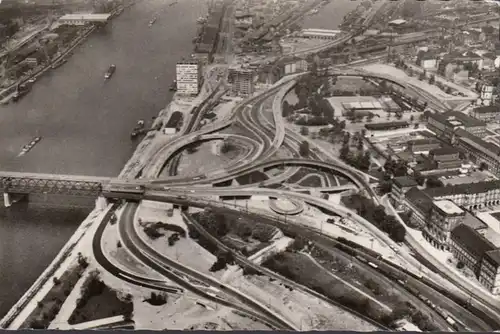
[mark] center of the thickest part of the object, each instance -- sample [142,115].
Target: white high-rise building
[188,76]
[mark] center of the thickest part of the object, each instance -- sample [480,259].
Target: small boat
[140,123]
[173,86]
[133,134]
[110,72]
[152,21]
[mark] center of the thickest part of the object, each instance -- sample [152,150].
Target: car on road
[166,188]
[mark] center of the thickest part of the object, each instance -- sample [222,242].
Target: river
[86,122]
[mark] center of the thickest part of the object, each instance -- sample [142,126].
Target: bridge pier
[6,200]
[101,203]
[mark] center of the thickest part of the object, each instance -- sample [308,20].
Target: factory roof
[86,17]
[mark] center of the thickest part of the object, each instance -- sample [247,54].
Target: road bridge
[15,183]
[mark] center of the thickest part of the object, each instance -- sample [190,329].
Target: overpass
[36,183]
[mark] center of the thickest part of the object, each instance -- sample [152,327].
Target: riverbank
[8,93]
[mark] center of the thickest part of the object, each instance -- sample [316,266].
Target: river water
[86,122]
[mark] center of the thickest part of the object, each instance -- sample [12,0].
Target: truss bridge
[33,183]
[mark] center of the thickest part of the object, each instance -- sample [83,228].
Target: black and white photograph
[250,165]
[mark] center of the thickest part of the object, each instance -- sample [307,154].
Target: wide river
[86,122]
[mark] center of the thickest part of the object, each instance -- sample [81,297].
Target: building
[397,23]
[489,274]
[487,92]
[479,151]
[469,247]
[487,114]
[427,60]
[471,196]
[476,243]
[445,158]
[242,81]
[319,33]
[446,124]
[444,217]
[83,19]
[423,145]
[188,76]
[400,185]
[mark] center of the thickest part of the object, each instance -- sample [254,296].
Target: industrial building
[319,33]
[242,81]
[83,19]
[188,76]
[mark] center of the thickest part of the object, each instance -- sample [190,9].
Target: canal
[85,124]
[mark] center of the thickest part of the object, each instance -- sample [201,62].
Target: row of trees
[377,216]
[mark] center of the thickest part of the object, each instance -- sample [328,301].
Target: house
[487,113]
[487,91]
[427,60]
[446,124]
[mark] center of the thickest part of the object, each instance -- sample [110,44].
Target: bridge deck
[55,177]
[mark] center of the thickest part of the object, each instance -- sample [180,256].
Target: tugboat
[26,148]
[153,20]
[110,72]
[21,91]
[133,135]
[173,86]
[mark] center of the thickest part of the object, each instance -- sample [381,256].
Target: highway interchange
[265,136]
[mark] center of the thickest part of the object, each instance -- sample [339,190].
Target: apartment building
[487,113]
[400,185]
[471,196]
[444,217]
[188,76]
[479,151]
[446,124]
[242,81]
[476,243]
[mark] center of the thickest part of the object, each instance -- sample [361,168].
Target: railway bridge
[15,183]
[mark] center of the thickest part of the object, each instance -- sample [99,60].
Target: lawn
[299,268]
[254,177]
[50,305]
[98,301]
[313,181]
[236,231]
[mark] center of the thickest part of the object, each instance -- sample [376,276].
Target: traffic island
[49,306]
[98,301]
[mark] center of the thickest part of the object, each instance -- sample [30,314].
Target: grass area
[300,268]
[254,177]
[235,231]
[351,271]
[155,230]
[302,172]
[49,306]
[311,181]
[98,301]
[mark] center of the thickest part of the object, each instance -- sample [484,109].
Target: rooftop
[465,188]
[474,222]
[398,22]
[420,199]
[444,151]
[84,16]
[487,109]
[471,240]
[448,207]
[405,181]
[477,143]
[449,118]
[494,256]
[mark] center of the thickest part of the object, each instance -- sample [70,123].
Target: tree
[344,152]
[412,118]
[483,166]
[419,178]
[304,131]
[304,149]
[434,182]
[421,76]
[432,79]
